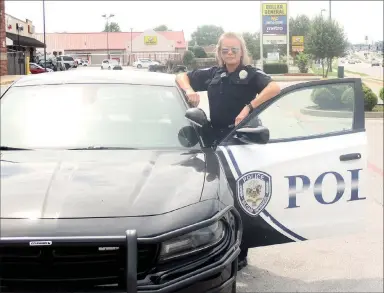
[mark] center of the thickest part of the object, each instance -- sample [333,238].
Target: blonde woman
[234,89]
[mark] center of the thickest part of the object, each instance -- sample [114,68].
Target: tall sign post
[274,25]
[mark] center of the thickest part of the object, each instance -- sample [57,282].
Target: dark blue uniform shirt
[228,93]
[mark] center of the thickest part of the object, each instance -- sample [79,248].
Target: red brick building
[3,47]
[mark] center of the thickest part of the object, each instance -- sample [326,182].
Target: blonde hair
[245,59]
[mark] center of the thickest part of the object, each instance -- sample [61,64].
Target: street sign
[297,40]
[275,9]
[274,25]
[274,40]
[297,48]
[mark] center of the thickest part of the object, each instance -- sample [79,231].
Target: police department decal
[254,190]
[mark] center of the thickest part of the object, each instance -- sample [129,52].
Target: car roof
[128,76]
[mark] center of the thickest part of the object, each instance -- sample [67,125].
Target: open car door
[308,180]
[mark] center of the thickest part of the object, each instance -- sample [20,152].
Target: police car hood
[98,183]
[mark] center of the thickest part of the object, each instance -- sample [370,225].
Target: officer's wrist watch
[250,108]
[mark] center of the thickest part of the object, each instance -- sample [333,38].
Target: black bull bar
[130,240]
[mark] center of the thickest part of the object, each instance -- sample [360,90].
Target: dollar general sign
[275,9]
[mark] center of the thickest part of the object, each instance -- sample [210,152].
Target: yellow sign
[275,9]
[297,48]
[297,40]
[150,40]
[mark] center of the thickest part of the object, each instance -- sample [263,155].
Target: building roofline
[87,33]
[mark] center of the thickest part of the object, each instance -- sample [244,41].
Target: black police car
[107,187]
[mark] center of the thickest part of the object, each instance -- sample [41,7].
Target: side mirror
[258,134]
[188,137]
[197,116]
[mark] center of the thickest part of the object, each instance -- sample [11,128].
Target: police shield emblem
[254,191]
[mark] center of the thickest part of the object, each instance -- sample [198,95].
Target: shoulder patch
[254,190]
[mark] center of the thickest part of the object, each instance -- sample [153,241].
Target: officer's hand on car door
[193,97]
[244,113]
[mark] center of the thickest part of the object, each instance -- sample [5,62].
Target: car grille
[62,264]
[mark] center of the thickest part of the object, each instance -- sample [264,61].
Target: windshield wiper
[7,148]
[101,148]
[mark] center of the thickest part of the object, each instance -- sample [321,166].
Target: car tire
[139,66]
[66,65]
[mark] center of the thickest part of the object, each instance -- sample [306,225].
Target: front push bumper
[218,276]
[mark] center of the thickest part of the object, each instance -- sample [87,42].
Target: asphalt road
[348,264]
[365,68]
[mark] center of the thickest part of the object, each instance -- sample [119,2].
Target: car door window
[309,111]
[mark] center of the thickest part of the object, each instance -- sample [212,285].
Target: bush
[381,94]
[204,63]
[199,52]
[370,98]
[188,58]
[275,68]
[342,97]
[325,98]
[348,98]
[302,61]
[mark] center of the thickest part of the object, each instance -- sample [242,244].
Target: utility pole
[330,10]
[45,45]
[107,27]
[130,57]
[19,28]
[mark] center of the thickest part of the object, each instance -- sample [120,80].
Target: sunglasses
[234,50]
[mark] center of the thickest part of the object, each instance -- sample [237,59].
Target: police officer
[234,89]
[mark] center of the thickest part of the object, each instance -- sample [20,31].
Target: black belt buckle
[131,240]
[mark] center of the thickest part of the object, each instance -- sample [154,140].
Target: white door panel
[315,210]
[300,184]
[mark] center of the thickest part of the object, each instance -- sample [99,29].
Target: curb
[338,114]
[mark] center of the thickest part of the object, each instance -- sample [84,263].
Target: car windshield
[88,115]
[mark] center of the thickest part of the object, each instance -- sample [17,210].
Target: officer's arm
[196,80]
[265,87]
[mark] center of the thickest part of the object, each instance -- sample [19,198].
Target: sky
[359,18]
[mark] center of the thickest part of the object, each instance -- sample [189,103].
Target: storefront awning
[8,42]
[25,41]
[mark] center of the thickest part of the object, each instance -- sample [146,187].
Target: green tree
[198,51]
[207,35]
[161,28]
[112,27]
[325,41]
[188,58]
[339,43]
[299,26]
[252,40]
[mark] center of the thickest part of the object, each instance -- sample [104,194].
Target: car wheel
[67,66]
[139,66]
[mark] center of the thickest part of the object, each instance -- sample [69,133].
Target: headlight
[193,241]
